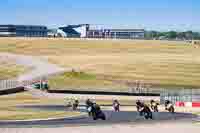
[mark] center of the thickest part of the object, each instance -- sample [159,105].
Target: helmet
[138,100]
[152,101]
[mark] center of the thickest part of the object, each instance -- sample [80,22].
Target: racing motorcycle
[95,112]
[147,112]
[169,106]
[140,107]
[154,106]
[116,106]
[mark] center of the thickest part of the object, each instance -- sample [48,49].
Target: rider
[97,113]
[88,103]
[96,107]
[75,104]
[139,105]
[169,106]
[116,105]
[89,106]
[167,102]
[154,106]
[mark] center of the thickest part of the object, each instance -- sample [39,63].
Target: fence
[174,95]
[11,84]
[180,95]
[145,90]
[8,84]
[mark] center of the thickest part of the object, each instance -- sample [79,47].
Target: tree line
[172,35]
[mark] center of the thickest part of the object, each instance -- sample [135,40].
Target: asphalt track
[121,117]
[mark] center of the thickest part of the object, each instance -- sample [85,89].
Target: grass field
[9,69]
[9,111]
[84,81]
[159,63]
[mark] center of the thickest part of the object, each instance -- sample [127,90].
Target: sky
[177,15]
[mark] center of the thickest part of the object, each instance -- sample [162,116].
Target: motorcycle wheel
[103,117]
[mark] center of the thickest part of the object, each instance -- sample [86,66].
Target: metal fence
[8,84]
[180,95]
[145,90]
[174,95]
[11,84]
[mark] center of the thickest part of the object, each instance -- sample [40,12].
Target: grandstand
[90,31]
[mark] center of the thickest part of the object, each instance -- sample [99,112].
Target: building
[91,31]
[116,33]
[75,31]
[99,31]
[23,31]
[56,33]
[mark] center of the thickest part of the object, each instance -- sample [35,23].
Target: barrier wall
[12,91]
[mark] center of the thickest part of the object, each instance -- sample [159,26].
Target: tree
[196,35]
[172,35]
[189,35]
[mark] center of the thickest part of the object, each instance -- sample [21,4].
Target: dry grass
[83,81]
[9,111]
[8,69]
[162,63]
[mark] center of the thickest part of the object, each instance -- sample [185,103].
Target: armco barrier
[104,93]
[12,91]
[9,84]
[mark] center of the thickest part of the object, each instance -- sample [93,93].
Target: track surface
[112,118]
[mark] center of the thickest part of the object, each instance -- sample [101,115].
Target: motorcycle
[154,106]
[169,106]
[116,106]
[96,112]
[140,107]
[148,115]
[99,115]
[147,112]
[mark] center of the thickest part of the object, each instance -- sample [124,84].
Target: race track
[122,117]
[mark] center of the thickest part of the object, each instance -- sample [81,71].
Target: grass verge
[10,70]
[9,111]
[84,81]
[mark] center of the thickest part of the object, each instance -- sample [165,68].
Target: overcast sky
[148,14]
